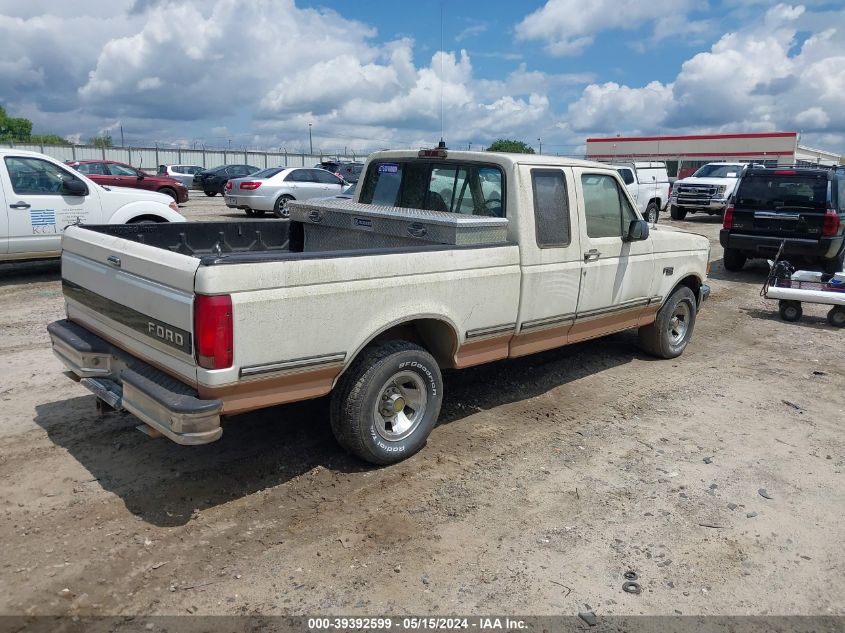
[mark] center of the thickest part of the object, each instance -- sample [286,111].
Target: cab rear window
[783,191]
[450,186]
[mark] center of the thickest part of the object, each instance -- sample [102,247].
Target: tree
[101,141]
[14,128]
[507,145]
[48,139]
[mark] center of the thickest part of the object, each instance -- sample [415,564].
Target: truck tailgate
[138,297]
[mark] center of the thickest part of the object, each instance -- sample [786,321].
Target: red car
[113,174]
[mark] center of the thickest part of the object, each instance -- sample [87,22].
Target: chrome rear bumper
[125,382]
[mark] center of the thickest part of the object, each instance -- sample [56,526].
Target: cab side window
[627,176]
[551,208]
[33,176]
[607,210]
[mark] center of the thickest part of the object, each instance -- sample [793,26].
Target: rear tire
[835,265]
[677,213]
[672,330]
[387,403]
[733,259]
[836,316]
[652,212]
[210,194]
[280,209]
[790,310]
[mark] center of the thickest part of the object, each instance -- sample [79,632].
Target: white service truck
[367,299]
[708,190]
[41,197]
[648,184]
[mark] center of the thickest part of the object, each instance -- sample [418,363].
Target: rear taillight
[213,331]
[830,226]
[249,185]
[228,186]
[728,221]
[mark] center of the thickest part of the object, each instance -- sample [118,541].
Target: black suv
[801,207]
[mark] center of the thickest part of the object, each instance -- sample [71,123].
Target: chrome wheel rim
[679,323]
[400,406]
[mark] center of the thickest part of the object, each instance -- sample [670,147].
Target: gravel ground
[716,476]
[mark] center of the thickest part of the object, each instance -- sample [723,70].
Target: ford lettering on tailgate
[169,335]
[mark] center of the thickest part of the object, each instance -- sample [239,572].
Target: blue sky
[368,74]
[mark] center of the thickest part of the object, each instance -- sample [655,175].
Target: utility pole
[310,141]
[541,146]
[121,135]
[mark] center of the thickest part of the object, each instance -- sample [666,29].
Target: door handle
[20,205]
[591,255]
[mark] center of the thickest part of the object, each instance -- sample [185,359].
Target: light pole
[310,141]
[541,145]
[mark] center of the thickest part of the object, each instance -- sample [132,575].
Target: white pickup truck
[648,184]
[40,197]
[367,299]
[708,190]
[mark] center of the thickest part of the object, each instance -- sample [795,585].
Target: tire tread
[348,396]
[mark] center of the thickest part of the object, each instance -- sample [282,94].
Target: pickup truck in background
[441,260]
[648,184]
[708,190]
[41,197]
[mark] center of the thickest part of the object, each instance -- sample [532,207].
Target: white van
[40,197]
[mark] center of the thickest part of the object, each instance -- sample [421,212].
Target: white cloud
[477,28]
[567,27]
[757,78]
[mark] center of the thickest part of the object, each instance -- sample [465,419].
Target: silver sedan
[271,189]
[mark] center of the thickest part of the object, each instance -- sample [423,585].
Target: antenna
[442,55]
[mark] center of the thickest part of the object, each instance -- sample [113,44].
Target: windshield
[719,171]
[774,191]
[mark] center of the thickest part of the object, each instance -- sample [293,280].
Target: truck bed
[218,243]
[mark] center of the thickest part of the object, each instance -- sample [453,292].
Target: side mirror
[141,175]
[74,187]
[637,231]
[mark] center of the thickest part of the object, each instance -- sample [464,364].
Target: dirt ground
[718,477]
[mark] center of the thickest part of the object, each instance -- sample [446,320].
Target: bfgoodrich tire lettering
[672,330]
[385,374]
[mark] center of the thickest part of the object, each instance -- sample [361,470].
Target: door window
[297,175]
[91,169]
[33,176]
[326,178]
[121,170]
[607,211]
[551,207]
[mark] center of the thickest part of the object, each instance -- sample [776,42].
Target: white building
[684,154]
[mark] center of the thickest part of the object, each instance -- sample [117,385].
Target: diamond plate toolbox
[341,223]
